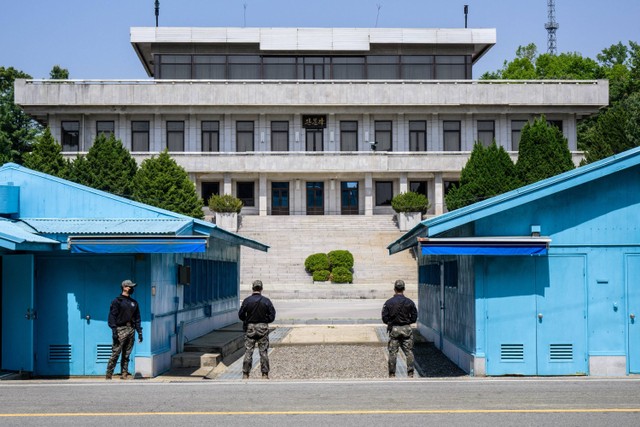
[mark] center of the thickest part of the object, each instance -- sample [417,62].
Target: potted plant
[226,208]
[410,207]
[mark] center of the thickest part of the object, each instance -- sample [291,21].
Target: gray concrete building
[310,121]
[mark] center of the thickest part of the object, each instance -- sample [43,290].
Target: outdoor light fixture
[535,231]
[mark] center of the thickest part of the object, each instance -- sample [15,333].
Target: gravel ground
[348,361]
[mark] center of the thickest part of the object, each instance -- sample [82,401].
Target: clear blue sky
[91,37]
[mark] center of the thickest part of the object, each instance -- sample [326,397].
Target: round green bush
[410,202]
[321,275]
[226,203]
[341,275]
[340,258]
[316,262]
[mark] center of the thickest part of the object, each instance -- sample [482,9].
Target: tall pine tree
[488,172]
[161,182]
[46,156]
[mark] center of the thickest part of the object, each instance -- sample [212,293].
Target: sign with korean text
[314,122]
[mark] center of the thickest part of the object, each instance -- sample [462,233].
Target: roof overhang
[495,246]
[137,244]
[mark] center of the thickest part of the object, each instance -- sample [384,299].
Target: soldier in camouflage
[398,313]
[256,312]
[124,321]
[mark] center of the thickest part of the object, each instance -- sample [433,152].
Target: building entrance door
[349,198]
[633,312]
[315,198]
[279,198]
[73,301]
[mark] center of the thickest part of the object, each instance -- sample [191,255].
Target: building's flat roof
[310,39]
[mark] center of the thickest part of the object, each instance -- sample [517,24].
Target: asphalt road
[469,401]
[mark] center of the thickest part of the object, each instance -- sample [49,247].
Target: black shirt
[124,310]
[399,311]
[257,309]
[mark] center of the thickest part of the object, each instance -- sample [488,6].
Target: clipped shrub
[341,275]
[226,203]
[410,202]
[321,275]
[340,258]
[316,262]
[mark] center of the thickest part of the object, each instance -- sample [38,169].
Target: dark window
[382,67]
[349,136]
[175,66]
[383,139]
[384,193]
[175,136]
[556,123]
[417,67]
[208,190]
[486,132]
[212,67]
[451,67]
[418,135]
[71,136]
[451,273]
[210,136]
[245,192]
[314,139]
[106,128]
[139,136]
[279,67]
[419,187]
[210,281]
[314,67]
[451,130]
[244,67]
[516,132]
[279,136]
[244,136]
[348,68]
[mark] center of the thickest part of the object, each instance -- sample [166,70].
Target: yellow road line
[337,412]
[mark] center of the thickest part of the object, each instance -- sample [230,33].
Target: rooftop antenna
[378,14]
[157,4]
[466,13]
[245,15]
[551,27]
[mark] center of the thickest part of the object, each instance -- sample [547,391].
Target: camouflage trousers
[257,333]
[123,344]
[401,337]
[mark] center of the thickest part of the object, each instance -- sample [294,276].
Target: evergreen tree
[108,166]
[543,152]
[46,156]
[161,182]
[488,172]
[59,73]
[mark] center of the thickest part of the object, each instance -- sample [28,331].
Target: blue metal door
[510,311]
[73,297]
[633,312]
[18,312]
[561,315]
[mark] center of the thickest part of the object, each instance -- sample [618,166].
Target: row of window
[280,139]
[259,67]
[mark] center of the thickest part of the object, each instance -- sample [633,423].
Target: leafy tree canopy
[543,152]
[161,182]
[59,73]
[488,172]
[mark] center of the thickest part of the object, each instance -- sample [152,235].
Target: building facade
[310,121]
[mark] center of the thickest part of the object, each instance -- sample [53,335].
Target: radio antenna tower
[551,27]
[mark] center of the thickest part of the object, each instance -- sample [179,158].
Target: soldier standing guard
[256,312]
[124,321]
[398,313]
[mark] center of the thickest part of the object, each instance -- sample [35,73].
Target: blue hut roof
[52,208]
[436,226]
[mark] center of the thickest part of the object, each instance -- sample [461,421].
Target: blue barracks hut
[65,249]
[543,280]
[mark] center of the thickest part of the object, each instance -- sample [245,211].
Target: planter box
[408,220]
[227,220]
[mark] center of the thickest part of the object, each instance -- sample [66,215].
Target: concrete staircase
[294,238]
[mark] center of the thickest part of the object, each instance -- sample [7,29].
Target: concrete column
[226,184]
[403,183]
[226,145]
[368,194]
[122,131]
[439,194]
[569,130]
[262,194]
[262,133]
[298,133]
[332,132]
[401,141]
[368,135]
[191,144]
[157,142]
[502,133]
[434,143]
[468,133]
